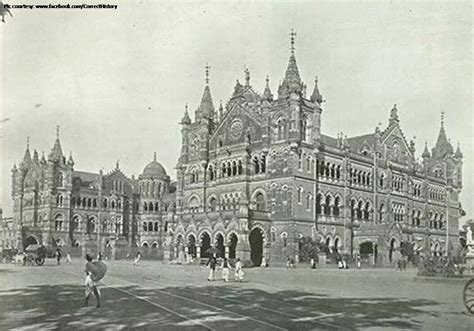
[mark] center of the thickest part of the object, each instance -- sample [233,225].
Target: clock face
[236,129]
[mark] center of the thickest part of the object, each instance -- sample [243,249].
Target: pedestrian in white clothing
[239,273]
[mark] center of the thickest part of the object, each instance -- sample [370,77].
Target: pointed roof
[186,119]
[56,154]
[267,93]
[443,147]
[206,108]
[35,157]
[426,152]
[316,96]
[292,81]
[458,154]
[70,161]
[27,157]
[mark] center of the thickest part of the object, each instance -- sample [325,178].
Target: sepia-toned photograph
[236,165]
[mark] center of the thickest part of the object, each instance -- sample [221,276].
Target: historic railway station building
[254,177]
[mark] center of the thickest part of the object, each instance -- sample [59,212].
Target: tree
[309,249]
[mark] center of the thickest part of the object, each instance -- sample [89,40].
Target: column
[226,249]
[198,252]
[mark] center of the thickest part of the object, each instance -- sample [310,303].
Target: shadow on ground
[61,307]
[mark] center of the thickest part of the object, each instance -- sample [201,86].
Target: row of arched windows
[398,183]
[259,164]
[328,170]
[417,190]
[231,168]
[92,203]
[328,206]
[416,216]
[436,220]
[151,226]
[117,185]
[360,177]
[151,188]
[398,211]
[436,194]
[151,207]
[359,210]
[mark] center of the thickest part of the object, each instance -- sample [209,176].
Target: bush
[439,267]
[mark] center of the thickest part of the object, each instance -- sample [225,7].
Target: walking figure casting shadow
[4,11]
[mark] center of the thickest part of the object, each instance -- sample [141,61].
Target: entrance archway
[220,245]
[392,249]
[256,246]
[192,245]
[232,245]
[336,245]
[205,244]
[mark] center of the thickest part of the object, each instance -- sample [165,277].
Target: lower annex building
[254,177]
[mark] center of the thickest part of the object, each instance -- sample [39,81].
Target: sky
[117,81]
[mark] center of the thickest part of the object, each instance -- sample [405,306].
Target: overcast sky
[116,81]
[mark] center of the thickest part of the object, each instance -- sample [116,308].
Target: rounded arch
[144,244]
[257,242]
[154,244]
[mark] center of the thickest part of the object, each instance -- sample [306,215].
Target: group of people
[225,269]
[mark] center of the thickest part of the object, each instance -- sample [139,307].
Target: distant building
[254,177]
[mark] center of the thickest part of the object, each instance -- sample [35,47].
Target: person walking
[239,273]
[68,258]
[211,263]
[58,256]
[138,257]
[313,263]
[91,285]
[225,270]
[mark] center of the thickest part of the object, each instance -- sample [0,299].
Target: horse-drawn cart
[36,254]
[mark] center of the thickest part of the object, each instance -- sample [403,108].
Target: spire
[292,81]
[56,154]
[426,152]
[267,93]
[70,161]
[35,157]
[316,96]
[443,147]
[458,154]
[206,108]
[394,115]
[27,157]
[186,119]
[154,157]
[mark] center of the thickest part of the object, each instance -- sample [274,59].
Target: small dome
[154,169]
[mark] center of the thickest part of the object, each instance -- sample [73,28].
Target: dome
[154,169]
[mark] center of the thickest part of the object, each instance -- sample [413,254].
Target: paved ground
[160,296]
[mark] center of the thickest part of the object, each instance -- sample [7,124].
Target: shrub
[439,267]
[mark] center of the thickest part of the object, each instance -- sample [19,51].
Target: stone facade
[254,177]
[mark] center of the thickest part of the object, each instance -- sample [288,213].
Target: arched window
[304,130]
[336,206]
[263,165]
[318,204]
[150,226]
[327,205]
[367,211]
[91,225]
[156,227]
[260,201]
[308,164]
[157,206]
[145,206]
[284,238]
[60,179]
[308,202]
[229,169]
[150,206]
[59,222]
[145,228]
[273,234]
[234,168]
[194,205]
[300,194]
[211,172]
[338,172]
[240,168]
[213,204]
[359,210]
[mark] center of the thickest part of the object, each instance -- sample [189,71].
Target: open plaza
[158,295]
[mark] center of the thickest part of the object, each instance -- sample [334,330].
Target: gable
[395,142]
[234,129]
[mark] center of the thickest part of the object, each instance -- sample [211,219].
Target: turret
[186,120]
[206,108]
[316,96]
[443,147]
[267,93]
